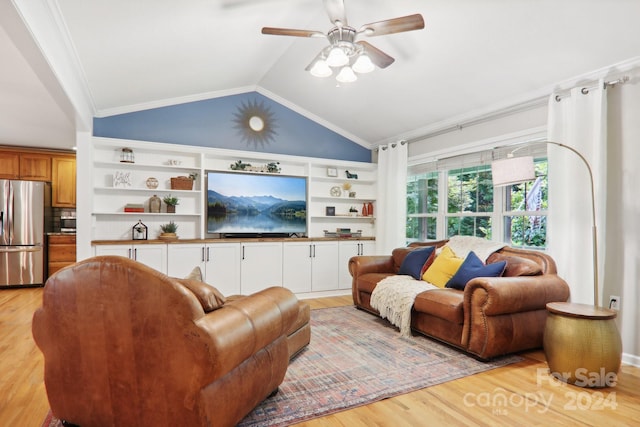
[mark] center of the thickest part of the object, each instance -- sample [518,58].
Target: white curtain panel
[392,197]
[577,120]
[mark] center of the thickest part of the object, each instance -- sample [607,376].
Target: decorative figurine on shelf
[239,166]
[351,175]
[139,231]
[273,167]
[353,211]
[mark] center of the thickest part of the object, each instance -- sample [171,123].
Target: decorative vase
[370,209]
[152,183]
[365,209]
[171,208]
[154,204]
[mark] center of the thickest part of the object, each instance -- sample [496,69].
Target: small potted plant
[171,203]
[168,231]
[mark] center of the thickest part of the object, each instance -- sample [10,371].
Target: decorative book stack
[134,207]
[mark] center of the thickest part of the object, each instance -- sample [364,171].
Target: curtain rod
[585,90]
[525,106]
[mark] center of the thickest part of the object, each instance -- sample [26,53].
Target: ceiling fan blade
[395,25]
[291,32]
[336,12]
[378,57]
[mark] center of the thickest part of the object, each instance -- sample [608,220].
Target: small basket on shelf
[181,183]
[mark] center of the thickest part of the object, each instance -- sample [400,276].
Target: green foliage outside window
[422,198]
[470,190]
[528,230]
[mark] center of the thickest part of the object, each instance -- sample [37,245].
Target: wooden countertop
[236,240]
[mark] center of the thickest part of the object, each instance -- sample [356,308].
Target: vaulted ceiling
[473,55]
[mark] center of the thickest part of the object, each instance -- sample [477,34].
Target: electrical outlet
[614,302]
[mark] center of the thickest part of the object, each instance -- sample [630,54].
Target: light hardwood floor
[516,395]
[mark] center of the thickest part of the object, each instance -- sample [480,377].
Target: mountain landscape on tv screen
[254,214]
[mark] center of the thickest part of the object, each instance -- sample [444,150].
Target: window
[422,207]
[469,202]
[455,200]
[525,210]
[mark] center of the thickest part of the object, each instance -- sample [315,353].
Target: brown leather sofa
[125,345]
[490,317]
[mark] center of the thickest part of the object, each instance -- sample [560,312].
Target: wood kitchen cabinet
[63,181]
[25,165]
[61,252]
[9,165]
[35,166]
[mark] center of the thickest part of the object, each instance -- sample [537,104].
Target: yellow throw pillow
[443,268]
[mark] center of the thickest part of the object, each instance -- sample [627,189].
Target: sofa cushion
[473,267]
[516,265]
[208,296]
[414,263]
[398,255]
[367,282]
[443,303]
[443,268]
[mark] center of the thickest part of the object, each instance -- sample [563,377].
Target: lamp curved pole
[593,215]
[593,218]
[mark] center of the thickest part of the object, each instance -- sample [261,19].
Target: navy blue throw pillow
[473,267]
[413,262]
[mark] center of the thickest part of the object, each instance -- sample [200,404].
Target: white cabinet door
[296,270]
[324,270]
[348,249]
[260,267]
[154,256]
[222,267]
[184,257]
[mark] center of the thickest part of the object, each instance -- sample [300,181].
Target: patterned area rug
[354,359]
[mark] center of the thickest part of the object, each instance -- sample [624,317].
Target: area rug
[354,359]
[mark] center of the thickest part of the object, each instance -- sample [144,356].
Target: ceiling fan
[344,52]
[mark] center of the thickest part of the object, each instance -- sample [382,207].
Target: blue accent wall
[215,123]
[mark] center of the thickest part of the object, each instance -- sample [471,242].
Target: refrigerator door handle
[1,222]
[13,249]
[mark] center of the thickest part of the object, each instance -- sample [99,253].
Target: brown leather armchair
[125,345]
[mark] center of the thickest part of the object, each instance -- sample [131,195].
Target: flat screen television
[255,205]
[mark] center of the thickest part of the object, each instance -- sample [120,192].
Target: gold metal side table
[582,344]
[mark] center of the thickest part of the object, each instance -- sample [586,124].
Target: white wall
[622,257]
[622,233]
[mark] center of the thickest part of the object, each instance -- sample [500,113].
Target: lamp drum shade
[512,170]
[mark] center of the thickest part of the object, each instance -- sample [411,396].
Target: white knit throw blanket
[394,296]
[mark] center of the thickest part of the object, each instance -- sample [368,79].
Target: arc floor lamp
[515,170]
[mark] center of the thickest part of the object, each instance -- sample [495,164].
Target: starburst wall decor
[255,123]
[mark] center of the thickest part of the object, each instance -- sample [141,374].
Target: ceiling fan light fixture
[346,75]
[337,57]
[363,64]
[321,69]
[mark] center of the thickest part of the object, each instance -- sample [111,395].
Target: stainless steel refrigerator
[22,207]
